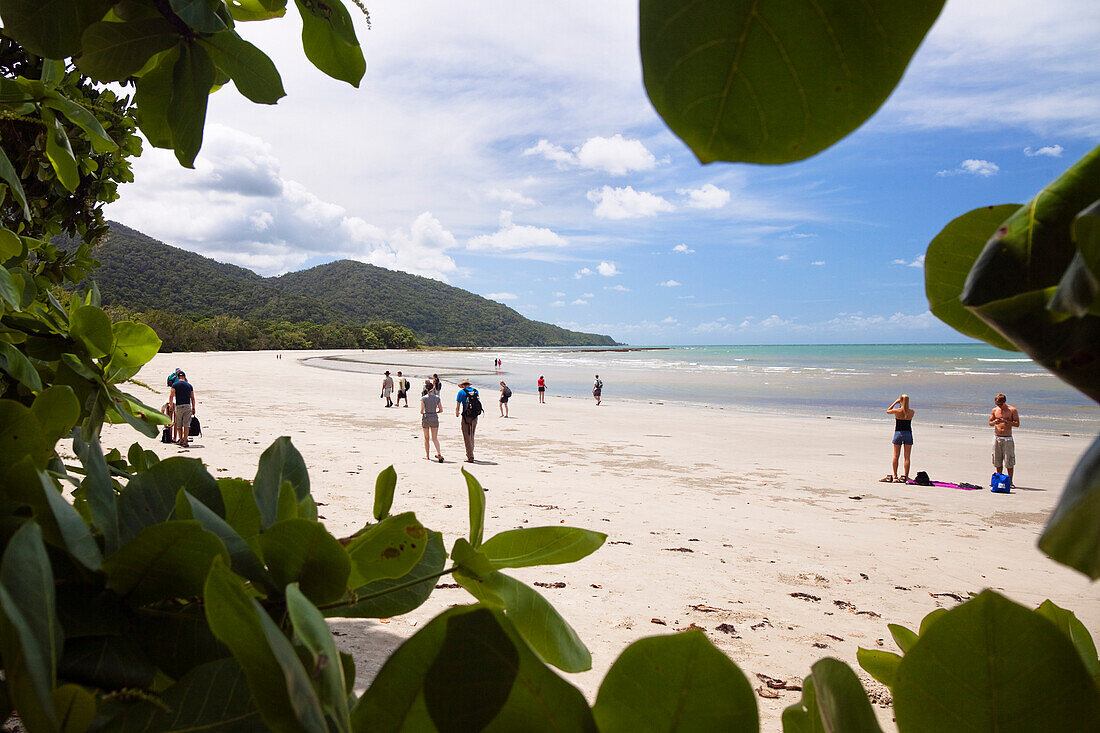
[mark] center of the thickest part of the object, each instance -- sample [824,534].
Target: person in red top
[542,390]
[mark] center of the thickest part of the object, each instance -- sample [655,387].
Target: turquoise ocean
[950,384]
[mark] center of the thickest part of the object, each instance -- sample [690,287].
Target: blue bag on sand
[998,483]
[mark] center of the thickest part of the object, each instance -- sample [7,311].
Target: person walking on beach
[402,390]
[542,390]
[597,389]
[903,436]
[505,394]
[1002,419]
[438,385]
[430,407]
[387,389]
[183,406]
[468,406]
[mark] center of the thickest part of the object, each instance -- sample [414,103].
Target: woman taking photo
[903,436]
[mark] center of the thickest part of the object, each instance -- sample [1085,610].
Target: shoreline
[769,531]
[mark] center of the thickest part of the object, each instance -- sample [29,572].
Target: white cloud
[579,301]
[818,263]
[1052,151]
[588,295]
[783,258]
[918,261]
[607,269]
[502,296]
[583,272]
[973,167]
[626,203]
[615,155]
[510,197]
[557,303]
[511,237]
[670,284]
[617,288]
[559,294]
[669,320]
[797,235]
[683,249]
[707,197]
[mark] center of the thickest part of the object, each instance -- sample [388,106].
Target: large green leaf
[1017,273]
[990,664]
[397,596]
[468,669]
[880,664]
[164,561]
[59,151]
[7,172]
[10,246]
[9,291]
[776,82]
[201,15]
[241,557]
[153,94]
[252,72]
[192,79]
[30,636]
[1068,623]
[74,707]
[328,38]
[280,462]
[837,702]
[538,622]
[1072,534]
[51,29]
[21,436]
[150,497]
[74,532]
[675,683]
[108,662]
[301,551]
[57,410]
[100,493]
[313,632]
[947,263]
[476,496]
[86,121]
[389,549]
[520,548]
[280,686]
[241,512]
[134,345]
[246,10]
[91,327]
[384,487]
[19,367]
[117,51]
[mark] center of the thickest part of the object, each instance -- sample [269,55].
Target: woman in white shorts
[430,407]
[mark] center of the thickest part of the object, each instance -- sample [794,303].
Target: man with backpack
[597,389]
[468,407]
[182,397]
[402,390]
[505,394]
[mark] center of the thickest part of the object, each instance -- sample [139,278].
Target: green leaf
[70,525]
[384,487]
[30,636]
[212,696]
[678,682]
[21,435]
[329,41]
[279,685]
[201,15]
[384,598]
[74,708]
[288,503]
[280,462]
[108,662]
[134,344]
[538,622]
[7,172]
[991,664]
[1075,631]
[313,632]
[903,637]
[153,94]
[241,512]
[9,291]
[252,72]
[1072,534]
[241,557]
[301,551]
[57,410]
[51,29]
[465,669]
[246,10]
[389,549]
[86,121]
[100,493]
[117,51]
[1086,233]
[930,618]
[521,548]
[91,327]
[60,152]
[10,246]
[1077,291]
[773,83]
[192,78]
[150,497]
[141,417]
[880,664]
[477,509]
[834,699]
[165,561]
[19,367]
[948,261]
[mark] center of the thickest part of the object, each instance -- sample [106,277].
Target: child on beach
[430,407]
[903,436]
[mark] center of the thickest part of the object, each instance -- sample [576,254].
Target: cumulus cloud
[669,320]
[707,197]
[617,288]
[579,301]
[607,269]
[615,155]
[918,261]
[626,203]
[1052,151]
[670,284]
[237,207]
[683,249]
[511,237]
[583,272]
[557,304]
[559,294]
[510,197]
[972,167]
[588,295]
[502,296]
[783,258]
[818,263]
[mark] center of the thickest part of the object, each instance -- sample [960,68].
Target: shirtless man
[1003,418]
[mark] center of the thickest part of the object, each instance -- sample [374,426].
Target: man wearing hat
[468,407]
[387,389]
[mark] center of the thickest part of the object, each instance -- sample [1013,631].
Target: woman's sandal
[887,479]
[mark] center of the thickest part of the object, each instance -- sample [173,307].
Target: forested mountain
[140,274]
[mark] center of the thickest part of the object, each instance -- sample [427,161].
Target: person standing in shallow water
[903,436]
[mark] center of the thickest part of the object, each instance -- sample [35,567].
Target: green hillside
[140,274]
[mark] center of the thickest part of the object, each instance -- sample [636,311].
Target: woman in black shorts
[903,436]
[542,390]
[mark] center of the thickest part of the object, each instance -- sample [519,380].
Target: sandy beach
[769,531]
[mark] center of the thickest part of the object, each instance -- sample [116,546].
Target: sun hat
[387,372]
[465,382]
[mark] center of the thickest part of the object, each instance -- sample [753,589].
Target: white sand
[713,516]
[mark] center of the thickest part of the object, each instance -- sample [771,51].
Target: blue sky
[509,149]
